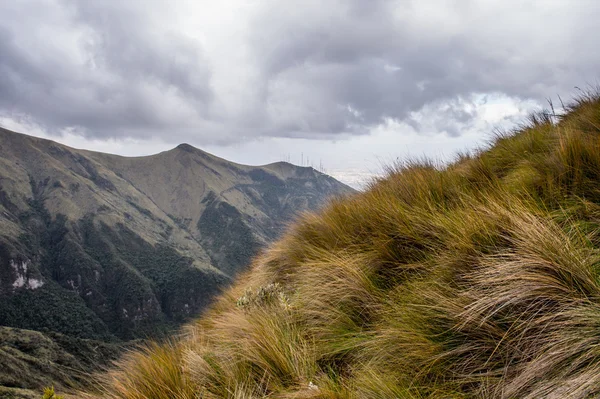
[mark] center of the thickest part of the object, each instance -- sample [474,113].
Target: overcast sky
[351,84]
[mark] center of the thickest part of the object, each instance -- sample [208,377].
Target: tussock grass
[477,280]
[152,372]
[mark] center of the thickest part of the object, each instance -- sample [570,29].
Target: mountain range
[101,247]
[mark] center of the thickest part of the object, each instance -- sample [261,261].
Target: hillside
[109,249]
[477,280]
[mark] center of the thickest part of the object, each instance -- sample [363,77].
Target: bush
[49,394]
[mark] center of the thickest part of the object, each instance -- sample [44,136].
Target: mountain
[102,247]
[476,280]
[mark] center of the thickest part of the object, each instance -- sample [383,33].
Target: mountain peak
[187,147]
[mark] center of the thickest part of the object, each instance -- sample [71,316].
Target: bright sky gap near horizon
[352,85]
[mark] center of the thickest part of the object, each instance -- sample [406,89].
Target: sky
[346,85]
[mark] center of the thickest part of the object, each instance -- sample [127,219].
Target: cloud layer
[242,69]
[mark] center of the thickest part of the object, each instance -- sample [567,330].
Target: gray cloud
[393,61]
[106,72]
[317,69]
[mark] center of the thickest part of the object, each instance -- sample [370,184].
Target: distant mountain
[104,247]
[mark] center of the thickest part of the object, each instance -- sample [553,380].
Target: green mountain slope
[478,280]
[33,359]
[108,248]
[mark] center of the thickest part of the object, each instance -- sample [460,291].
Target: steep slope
[103,247]
[33,359]
[478,280]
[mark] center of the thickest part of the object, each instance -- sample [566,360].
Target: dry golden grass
[478,280]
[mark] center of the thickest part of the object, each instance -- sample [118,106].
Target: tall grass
[477,280]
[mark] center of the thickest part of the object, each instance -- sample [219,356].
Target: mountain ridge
[104,247]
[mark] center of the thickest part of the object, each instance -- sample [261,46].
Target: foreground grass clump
[50,394]
[479,280]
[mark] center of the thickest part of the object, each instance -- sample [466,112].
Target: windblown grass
[477,280]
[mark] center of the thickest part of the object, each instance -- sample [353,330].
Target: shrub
[50,394]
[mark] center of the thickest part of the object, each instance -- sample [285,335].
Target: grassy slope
[477,281]
[31,358]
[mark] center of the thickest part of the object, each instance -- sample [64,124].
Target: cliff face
[480,280]
[101,246]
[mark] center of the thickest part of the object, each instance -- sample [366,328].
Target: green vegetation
[229,240]
[31,360]
[50,394]
[136,269]
[477,280]
[51,308]
[263,296]
[53,259]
